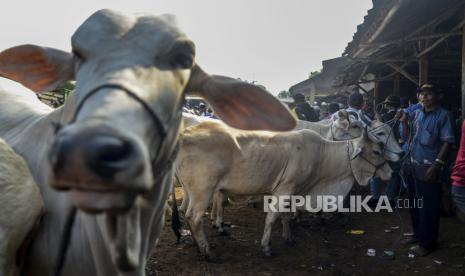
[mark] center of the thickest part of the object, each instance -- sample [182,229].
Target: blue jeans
[391,187]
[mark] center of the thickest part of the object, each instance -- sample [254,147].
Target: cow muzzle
[103,169]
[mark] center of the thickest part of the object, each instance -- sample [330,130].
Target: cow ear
[38,68]
[240,104]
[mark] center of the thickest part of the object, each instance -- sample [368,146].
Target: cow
[21,205]
[216,158]
[343,128]
[109,150]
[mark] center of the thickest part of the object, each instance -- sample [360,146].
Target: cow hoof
[212,259]
[267,251]
[290,242]
[209,257]
[188,240]
[223,232]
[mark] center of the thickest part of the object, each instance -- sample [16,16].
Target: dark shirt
[305,112]
[388,117]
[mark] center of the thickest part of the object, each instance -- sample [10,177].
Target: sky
[276,43]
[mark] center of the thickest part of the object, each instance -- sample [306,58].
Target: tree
[57,97]
[284,94]
[314,73]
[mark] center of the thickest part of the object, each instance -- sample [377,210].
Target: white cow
[21,206]
[217,158]
[112,144]
[343,128]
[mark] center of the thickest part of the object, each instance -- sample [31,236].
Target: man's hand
[401,115]
[432,172]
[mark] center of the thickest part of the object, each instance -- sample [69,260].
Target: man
[203,111]
[354,110]
[433,136]
[303,110]
[391,104]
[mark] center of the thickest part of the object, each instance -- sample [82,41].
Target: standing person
[458,178]
[303,110]
[432,139]
[355,103]
[391,104]
[203,111]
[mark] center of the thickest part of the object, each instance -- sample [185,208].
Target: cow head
[120,127]
[384,135]
[367,159]
[346,127]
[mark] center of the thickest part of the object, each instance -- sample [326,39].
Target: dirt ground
[323,246]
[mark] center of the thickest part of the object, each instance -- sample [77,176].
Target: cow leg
[221,200]
[198,204]
[213,212]
[285,220]
[270,219]
[185,201]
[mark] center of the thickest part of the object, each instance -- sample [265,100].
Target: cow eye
[182,55]
[376,152]
[183,61]
[78,55]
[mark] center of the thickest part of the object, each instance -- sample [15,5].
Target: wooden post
[463,73]
[396,85]
[423,69]
[375,95]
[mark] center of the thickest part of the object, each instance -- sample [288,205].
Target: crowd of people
[200,109]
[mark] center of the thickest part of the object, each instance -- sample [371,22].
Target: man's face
[427,98]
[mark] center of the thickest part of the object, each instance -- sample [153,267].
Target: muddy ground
[323,247]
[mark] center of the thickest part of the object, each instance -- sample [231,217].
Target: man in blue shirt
[433,136]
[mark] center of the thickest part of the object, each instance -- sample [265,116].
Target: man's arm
[433,170]
[403,118]
[447,137]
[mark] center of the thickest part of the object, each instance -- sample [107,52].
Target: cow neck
[330,164]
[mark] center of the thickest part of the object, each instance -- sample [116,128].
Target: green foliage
[65,89]
[57,97]
[314,73]
[284,94]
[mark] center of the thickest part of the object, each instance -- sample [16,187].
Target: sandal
[409,241]
[419,251]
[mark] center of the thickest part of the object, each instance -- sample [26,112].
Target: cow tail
[176,224]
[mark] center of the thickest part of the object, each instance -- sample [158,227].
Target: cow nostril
[114,151]
[108,155]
